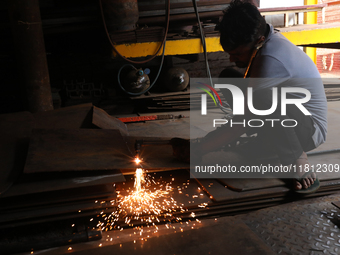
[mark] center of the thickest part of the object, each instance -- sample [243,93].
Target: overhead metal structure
[298,34]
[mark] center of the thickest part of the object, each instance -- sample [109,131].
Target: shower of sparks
[149,203]
[139,179]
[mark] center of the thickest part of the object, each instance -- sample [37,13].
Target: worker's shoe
[306,180]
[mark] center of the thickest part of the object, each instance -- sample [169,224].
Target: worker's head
[241,28]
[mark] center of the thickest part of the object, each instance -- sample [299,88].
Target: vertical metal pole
[311,18]
[30,50]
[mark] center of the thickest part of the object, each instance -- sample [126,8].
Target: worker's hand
[181,149]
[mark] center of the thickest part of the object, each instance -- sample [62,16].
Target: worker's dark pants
[288,142]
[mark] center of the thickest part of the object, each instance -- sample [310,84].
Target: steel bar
[302,8]
[187,10]
[179,17]
[147,6]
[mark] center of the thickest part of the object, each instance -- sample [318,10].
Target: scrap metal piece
[103,120]
[150,117]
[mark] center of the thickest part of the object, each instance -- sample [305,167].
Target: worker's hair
[242,23]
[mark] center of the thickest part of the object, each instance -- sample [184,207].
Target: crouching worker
[254,45]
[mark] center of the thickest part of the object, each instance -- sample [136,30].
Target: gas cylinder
[136,81]
[176,79]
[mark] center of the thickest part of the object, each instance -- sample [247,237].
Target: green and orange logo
[204,97]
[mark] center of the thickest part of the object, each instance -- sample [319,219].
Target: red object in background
[138,118]
[150,117]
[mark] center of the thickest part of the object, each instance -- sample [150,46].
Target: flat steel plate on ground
[38,183]
[54,205]
[57,196]
[15,130]
[92,149]
[161,128]
[77,150]
[243,184]
[208,237]
[56,210]
[72,117]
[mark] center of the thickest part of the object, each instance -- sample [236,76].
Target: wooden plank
[77,150]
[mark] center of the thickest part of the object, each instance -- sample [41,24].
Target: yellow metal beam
[310,17]
[316,34]
[177,47]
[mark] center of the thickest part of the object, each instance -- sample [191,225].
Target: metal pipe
[314,153]
[179,17]
[30,50]
[150,13]
[149,6]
